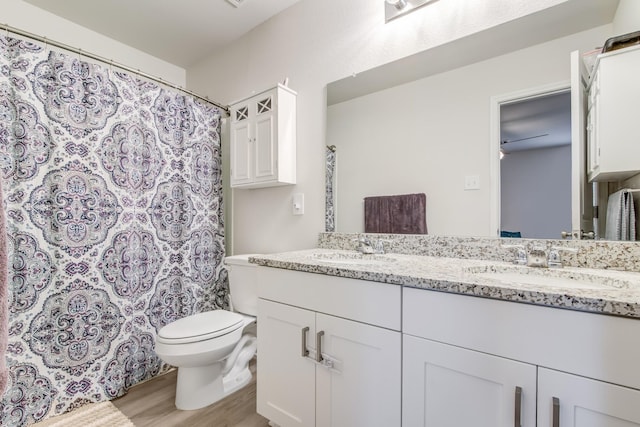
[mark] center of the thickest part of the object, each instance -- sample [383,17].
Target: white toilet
[212,350]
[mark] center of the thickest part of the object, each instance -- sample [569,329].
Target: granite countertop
[619,296]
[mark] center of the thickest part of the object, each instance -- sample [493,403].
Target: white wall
[313,43]
[427,135]
[627,17]
[536,192]
[27,17]
[627,20]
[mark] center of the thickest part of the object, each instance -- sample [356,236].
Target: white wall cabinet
[613,135]
[358,380]
[263,139]
[464,357]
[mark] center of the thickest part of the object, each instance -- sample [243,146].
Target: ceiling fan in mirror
[521,147]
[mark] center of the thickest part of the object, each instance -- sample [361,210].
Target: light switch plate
[298,204]
[472,182]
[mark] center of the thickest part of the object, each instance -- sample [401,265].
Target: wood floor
[151,404]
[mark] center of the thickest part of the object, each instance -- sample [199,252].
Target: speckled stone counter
[619,296]
[589,253]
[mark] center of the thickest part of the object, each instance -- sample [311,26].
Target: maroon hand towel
[401,214]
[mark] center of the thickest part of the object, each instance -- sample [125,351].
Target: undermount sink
[352,258]
[549,277]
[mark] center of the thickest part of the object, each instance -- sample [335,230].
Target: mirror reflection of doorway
[535,166]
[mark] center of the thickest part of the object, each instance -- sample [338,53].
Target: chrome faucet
[534,257]
[368,246]
[365,246]
[555,258]
[379,246]
[521,254]
[537,257]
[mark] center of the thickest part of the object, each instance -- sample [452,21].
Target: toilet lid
[201,326]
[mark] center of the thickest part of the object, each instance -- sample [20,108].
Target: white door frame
[494,140]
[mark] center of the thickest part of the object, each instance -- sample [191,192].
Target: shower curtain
[113,198]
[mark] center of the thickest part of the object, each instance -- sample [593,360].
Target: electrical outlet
[472,182]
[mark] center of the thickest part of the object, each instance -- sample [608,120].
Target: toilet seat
[200,327]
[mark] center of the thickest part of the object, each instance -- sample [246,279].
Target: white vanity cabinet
[467,358]
[571,400]
[285,379]
[613,135]
[263,139]
[445,385]
[355,324]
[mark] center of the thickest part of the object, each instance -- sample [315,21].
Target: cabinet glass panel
[264,105]
[242,114]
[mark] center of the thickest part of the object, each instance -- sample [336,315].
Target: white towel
[629,224]
[621,216]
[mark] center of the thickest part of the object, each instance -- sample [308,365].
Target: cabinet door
[447,386]
[363,387]
[617,109]
[583,402]
[286,379]
[241,145]
[265,140]
[593,140]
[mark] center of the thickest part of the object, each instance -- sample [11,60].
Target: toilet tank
[243,284]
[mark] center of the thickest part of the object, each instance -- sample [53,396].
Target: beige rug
[102,414]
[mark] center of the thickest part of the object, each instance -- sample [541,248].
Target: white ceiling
[535,123]
[181,32]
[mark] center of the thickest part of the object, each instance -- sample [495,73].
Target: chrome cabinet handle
[556,412]
[319,336]
[305,351]
[518,411]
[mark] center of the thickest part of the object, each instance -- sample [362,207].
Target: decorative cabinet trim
[242,113]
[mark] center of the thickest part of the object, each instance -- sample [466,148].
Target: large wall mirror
[535,165]
[423,125]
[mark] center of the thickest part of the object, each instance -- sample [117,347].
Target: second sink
[352,258]
[556,278]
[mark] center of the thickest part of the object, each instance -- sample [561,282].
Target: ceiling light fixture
[396,8]
[398,4]
[236,3]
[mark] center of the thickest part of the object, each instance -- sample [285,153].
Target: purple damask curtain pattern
[113,195]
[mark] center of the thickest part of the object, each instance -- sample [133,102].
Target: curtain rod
[81,52]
